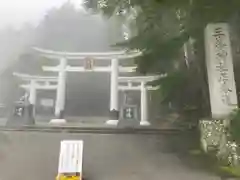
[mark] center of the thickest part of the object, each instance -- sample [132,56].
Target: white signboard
[47,102]
[71,157]
[222,88]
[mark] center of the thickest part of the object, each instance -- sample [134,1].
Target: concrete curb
[94,130]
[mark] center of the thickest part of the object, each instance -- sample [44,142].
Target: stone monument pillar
[219,61]
[222,88]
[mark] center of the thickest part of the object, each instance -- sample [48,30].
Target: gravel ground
[34,156]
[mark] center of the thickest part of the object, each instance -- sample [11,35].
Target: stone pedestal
[113,117]
[57,121]
[22,114]
[129,116]
[29,115]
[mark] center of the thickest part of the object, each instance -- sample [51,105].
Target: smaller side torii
[129,84]
[34,83]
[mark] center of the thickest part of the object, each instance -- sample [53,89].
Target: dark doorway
[87,94]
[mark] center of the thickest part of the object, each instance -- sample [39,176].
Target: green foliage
[212,164]
[170,85]
[235,125]
[230,171]
[163,28]
[207,162]
[195,152]
[160,56]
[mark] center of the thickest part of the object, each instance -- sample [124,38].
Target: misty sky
[17,12]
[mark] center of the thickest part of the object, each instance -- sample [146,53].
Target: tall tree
[164,28]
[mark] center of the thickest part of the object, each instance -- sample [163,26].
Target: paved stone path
[34,156]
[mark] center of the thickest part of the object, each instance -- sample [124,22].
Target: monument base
[22,115]
[112,122]
[125,123]
[29,118]
[114,114]
[58,121]
[145,123]
[128,116]
[61,114]
[113,117]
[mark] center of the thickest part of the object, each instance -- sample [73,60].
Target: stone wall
[216,139]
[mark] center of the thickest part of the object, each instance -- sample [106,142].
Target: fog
[17,12]
[17,22]
[62,27]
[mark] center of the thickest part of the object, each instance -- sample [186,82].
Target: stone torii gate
[135,83]
[35,83]
[129,84]
[114,69]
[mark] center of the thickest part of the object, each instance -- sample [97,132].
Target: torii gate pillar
[32,96]
[32,93]
[144,105]
[114,109]
[61,89]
